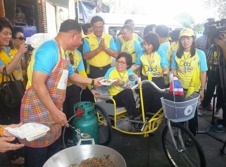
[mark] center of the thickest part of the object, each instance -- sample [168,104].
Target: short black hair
[151,38]
[128,21]
[96,19]
[148,28]
[128,58]
[5,23]
[85,27]
[16,30]
[69,25]
[162,31]
[175,34]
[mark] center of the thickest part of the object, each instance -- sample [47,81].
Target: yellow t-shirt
[112,73]
[128,46]
[186,68]
[77,63]
[151,65]
[102,58]
[6,57]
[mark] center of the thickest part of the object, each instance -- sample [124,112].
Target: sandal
[18,162]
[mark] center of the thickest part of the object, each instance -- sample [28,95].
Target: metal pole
[77,11]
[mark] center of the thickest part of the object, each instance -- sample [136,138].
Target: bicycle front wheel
[179,153]
[105,129]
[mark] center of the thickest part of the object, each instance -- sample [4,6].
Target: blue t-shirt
[46,58]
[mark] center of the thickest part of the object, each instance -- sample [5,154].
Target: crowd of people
[65,70]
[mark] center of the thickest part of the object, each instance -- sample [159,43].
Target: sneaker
[201,112]
[218,128]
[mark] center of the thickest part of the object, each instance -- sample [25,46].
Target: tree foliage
[219,7]
[186,20]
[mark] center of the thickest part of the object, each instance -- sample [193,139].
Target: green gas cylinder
[86,121]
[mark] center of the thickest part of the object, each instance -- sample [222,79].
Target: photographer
[214,32]
[221,89]
[222,44]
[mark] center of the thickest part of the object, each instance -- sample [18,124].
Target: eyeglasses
[121,62]
[98,27]
[20,38]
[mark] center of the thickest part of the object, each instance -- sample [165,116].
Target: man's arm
[111,53]
[75,77]
[91,54]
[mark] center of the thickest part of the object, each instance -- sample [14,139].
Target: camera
[30,48]
[215,29]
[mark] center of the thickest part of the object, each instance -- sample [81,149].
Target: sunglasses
[20,38]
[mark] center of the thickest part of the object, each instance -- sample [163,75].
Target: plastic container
[29,131]
[180,111]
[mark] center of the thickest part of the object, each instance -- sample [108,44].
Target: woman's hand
[5,144]
[23,49]
[6,133]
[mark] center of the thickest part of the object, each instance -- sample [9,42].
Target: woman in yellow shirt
[186,62]
[121,89]
[10,61]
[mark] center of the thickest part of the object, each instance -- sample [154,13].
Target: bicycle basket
[180,111]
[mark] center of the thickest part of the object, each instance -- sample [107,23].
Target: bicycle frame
[150,125]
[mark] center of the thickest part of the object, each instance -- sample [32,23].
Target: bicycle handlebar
[152,83]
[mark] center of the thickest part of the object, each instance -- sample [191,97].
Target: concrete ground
[148,152]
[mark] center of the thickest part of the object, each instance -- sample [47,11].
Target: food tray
[29,131]
[107,82]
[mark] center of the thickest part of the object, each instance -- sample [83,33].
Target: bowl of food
[86,156]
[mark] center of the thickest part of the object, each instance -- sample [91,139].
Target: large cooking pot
[75,154]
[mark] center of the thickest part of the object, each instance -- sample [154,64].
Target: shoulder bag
[11,90]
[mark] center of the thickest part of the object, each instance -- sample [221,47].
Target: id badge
[63,80]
